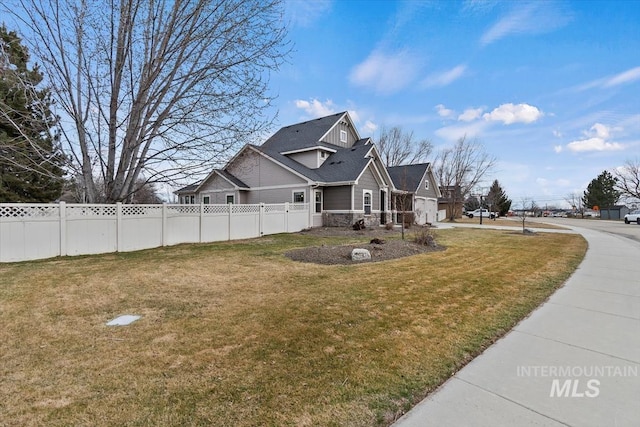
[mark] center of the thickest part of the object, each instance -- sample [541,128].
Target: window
[318,196]
[206,200]
[367,202]
[230,198]
[343,136]
[323,154]
[426,184]
[298,197]
[192,199]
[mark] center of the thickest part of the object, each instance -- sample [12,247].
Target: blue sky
[550,88]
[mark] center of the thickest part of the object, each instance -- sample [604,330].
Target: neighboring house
[416,191]
[323,162]
[451,201]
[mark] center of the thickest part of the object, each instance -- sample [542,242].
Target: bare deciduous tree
[462,166]
[164,88]
[629,178]
[398,147]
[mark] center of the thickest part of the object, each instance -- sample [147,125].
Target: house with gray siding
[416,191]
[323,162]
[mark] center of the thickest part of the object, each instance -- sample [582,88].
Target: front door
[317,208]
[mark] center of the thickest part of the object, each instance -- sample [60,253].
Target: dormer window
[343,136]
[323,154]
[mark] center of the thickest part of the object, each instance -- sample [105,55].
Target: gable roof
[303,135]
[408,177]
[343,164]
[194,188]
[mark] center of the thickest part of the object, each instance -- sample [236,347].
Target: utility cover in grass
[123,320]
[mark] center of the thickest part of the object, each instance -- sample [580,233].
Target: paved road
[575,361]
[630,231]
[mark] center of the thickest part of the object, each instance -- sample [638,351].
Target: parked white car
[632,217]
[485,214]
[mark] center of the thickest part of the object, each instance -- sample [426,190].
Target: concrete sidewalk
[574,362]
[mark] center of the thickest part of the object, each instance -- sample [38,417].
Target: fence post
[229,207]
[63,228]
[164,225]
[119,242]
[200,221]
[286,217]
[261,220]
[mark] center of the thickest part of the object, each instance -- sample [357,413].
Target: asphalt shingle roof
[301,135]
[407,177]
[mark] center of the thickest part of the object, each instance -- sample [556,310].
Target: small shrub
[389,226]
[425,237]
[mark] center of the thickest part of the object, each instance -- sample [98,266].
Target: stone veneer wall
[348,219]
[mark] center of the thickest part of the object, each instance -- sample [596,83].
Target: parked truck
[485,214]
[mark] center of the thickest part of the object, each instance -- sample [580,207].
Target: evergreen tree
[31,161]
[471,203]
[498,199]
[602,191]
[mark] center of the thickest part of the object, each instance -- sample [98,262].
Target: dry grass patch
[237,334]
[509,222]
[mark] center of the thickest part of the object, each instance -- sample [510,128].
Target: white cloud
[594,144]
[600,130]
[385,73]
[444,111]
[532,18]
[444,78]
[625,77]
[369,128]
[596,140]
[470,114]
[510,113]
[316,108]
[622,78]
[557,148]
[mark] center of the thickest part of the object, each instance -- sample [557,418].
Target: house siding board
[333,137]
[308,158]
[367,182]
[278,195]
[258,171]
[337,198]
[216,183]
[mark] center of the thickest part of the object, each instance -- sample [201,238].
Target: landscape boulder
[360,255]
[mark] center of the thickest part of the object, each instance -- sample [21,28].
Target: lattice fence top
[275,208]
[184,209]
[29,211]
[216,209]
[298,206]
[141,210]
[96,211]
[110,211]
[245,208]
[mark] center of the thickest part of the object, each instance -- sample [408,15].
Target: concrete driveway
[574,362]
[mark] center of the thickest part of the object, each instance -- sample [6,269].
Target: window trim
[233,198]
[206,200]
[364,198]
[343,136]
[315,201]
[293,195]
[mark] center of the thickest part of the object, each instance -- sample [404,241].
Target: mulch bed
[341,254]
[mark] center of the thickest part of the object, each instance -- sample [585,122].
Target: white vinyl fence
[36,231]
